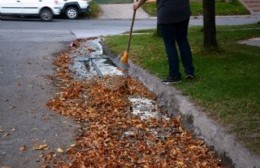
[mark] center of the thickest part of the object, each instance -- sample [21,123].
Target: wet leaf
[4,99]
[5,135]
[40,147]
[5,167]
[72,145]
[178,118]
[11,107]
[60,150]
[23,148]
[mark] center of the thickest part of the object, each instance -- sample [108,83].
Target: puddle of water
[107,69]
[80,69]
[145,108]
[83,67]
[92,47]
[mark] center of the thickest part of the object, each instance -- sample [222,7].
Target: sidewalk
[252,5]
[121,11]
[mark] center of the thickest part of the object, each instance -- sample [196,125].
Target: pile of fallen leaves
[111,135]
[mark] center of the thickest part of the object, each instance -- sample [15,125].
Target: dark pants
[172,33]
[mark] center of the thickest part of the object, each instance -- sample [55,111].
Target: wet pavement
[91,62]
[25,121]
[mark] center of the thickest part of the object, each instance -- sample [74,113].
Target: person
[173,19]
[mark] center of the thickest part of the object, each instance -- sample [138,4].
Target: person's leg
[184,46]
[168,35]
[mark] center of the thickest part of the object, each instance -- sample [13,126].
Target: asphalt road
[83,27]
[79,28]
[25,67]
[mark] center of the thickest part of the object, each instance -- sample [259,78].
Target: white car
[73,8]
[45,9]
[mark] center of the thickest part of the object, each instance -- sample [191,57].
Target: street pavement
[25,87]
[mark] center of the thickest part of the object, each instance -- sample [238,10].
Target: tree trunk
[209,21]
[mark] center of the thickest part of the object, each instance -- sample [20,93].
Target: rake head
[124,58]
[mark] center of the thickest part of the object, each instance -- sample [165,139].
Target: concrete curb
[230,151]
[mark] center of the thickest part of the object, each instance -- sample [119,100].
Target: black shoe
[171,79]
[190,76]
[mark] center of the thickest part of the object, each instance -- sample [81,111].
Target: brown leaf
[23,148]
[5,135]
[40,147]
[60,150]
[5,167]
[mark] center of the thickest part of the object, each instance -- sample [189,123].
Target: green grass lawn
[222,8]
[228,82]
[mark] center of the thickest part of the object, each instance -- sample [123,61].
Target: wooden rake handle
[131,31]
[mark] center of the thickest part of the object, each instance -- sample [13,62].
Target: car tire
[71,12]
[46,14]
